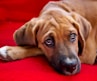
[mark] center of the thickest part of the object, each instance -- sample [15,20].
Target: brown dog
[63,30]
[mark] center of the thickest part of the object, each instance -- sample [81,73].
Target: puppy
[65,32]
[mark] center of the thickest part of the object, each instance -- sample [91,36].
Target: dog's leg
[9,53]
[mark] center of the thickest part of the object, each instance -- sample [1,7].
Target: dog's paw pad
[3,52]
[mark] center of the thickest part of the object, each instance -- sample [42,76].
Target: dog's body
[63,30]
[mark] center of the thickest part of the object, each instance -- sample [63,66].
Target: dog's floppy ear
[26,35]
[84,27]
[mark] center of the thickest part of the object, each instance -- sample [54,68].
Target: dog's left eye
[50,42]
[72,37]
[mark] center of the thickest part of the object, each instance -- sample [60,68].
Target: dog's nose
[69,65]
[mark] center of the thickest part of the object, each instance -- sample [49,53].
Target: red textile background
[13,14]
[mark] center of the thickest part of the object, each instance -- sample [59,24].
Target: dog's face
[61,38]
[59,42]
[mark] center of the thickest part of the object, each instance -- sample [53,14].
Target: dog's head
[61,37]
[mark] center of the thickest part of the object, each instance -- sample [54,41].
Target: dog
[65,32]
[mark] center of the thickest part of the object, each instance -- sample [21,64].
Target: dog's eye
[50,42]
[72,37]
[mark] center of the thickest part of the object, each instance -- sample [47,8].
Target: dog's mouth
[67,65]
[71,70]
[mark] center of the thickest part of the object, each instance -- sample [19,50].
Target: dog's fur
[56,22]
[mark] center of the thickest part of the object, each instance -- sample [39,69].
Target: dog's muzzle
[66,65]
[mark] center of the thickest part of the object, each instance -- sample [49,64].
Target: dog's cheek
[77,48]
[48,52]
[74,47]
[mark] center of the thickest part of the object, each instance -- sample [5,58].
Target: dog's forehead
[56,29]
[56,23]
[55,26]
[61,27]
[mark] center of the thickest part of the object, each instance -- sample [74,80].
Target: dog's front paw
[4,53]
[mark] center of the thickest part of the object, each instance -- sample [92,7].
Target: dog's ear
[84,27]
[26,35]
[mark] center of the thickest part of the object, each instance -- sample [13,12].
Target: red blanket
[13,14]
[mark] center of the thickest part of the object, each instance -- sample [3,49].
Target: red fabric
[13,14]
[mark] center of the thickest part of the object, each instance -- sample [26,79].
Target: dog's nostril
[70,68]
[69,65]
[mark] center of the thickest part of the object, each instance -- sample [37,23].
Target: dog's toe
[3,53]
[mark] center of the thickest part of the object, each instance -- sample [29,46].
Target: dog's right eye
[50,42]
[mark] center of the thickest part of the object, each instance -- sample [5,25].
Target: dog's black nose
[69,65]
